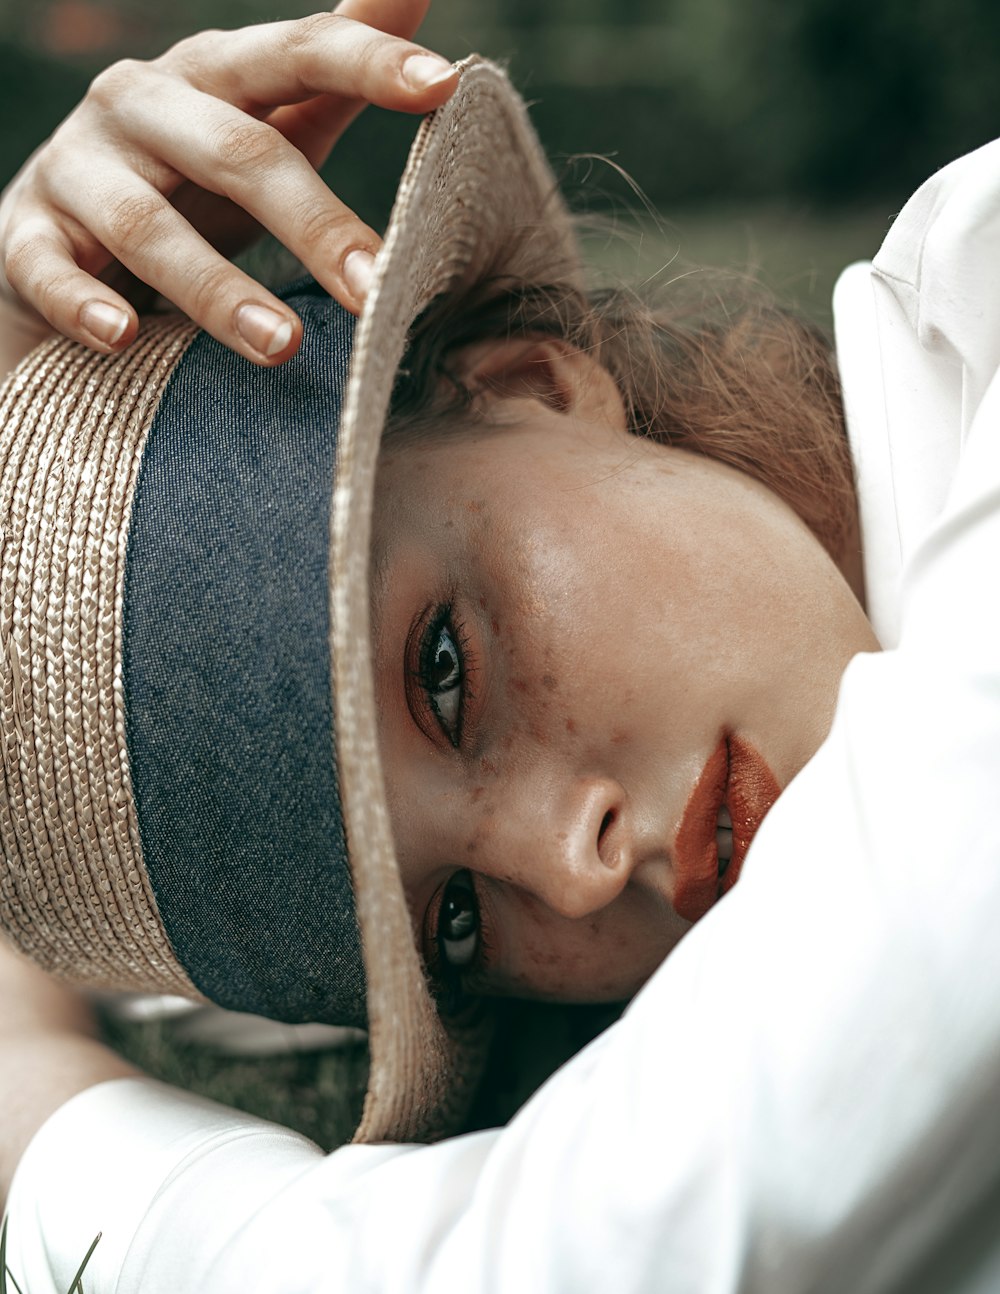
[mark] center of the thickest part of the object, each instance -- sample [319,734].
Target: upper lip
[696,859]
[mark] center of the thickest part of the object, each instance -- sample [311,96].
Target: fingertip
[107,326]
[424,73]
[357,271]
[271,337]
[280,356]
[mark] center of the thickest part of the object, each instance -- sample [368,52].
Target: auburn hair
[712,364]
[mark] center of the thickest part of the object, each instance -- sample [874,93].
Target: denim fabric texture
[227,677]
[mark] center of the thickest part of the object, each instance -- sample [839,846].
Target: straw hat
[184,548]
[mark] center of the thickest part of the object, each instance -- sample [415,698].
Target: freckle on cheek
[488,766]
[570,726]
[519,685]
[475,505]
[477,793]
[494,624]
[618,737]
[549,681]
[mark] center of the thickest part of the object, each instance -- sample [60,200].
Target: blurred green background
[781,134]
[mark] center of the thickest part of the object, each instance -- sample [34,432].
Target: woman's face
[592,654]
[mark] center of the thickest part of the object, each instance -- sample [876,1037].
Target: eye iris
[458,919]
[458,923]
[445,663]
[442,675]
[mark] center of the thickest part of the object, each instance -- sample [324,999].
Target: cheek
[605,959]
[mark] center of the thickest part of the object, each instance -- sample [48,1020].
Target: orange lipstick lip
[737,776]
[752,791]
[696,859]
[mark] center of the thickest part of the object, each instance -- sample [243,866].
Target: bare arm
[48,1053]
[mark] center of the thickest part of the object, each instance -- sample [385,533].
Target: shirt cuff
[98,1164]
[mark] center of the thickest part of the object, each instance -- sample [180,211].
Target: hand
[167,167]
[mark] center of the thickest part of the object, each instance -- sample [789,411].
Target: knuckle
[187,56]
[131,221]
[20,259]
[117,80]
[302,34]
[55,291]
[319,227]
[245,145]
[205,290]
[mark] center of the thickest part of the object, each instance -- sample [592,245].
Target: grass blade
[4,1271]
[76,1287]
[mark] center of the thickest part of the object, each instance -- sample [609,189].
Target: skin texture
[618,606]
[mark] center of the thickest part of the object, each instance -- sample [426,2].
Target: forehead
[485,498]
[464,471]
[426,489]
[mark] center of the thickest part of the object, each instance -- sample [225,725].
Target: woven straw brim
[74,894]
[477,199]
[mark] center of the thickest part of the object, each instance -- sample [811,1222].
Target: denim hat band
[192,795]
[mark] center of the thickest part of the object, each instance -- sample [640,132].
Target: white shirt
[804,1096]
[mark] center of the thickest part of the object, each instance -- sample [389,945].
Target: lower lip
[752,790]
[736,775]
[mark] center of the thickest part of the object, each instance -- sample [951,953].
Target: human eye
[442,671]
[457,943]
[459,933]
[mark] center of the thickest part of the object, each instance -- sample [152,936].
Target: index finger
[325,55]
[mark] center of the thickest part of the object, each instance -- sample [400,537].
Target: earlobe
[564,378]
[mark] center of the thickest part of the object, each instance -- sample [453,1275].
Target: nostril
[606,822]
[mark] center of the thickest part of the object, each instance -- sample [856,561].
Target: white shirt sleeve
[802,1097]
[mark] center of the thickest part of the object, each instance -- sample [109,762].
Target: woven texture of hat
[73,889]
[477,188]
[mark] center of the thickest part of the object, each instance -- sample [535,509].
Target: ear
[548,369]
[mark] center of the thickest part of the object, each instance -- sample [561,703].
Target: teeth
[724,839]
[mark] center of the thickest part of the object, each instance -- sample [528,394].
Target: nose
[568,846]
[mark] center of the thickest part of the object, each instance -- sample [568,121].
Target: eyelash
[454,985]
[441,620]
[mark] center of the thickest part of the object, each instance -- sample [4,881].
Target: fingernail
[424,70]
[358,268]
[106,323]
[263,329]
